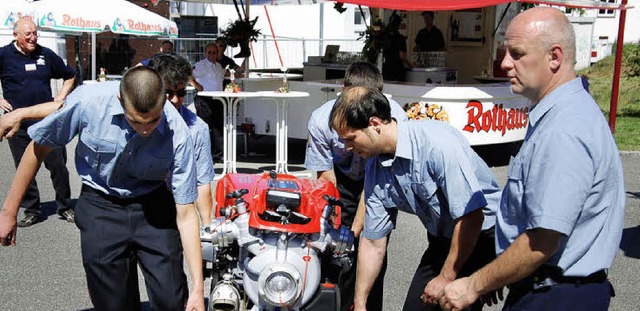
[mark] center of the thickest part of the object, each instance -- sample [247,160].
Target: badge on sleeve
[29,67]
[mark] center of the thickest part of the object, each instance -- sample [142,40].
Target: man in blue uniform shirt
[425,168]
[326,154]
[129,144]
[560,219]
[26,70]
[176,74]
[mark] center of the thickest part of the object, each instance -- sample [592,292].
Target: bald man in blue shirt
[560,220]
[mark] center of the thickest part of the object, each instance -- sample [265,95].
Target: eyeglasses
[179,93]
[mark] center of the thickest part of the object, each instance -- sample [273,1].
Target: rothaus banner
[484,114]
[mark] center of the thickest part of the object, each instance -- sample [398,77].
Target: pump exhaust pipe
[224,297]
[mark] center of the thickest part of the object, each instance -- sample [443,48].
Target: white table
[230,102]
[282,100]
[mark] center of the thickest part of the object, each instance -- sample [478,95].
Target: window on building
[607,12]
[358,16]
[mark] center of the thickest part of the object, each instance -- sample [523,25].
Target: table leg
[281,137]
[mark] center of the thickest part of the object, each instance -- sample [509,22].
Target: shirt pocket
[98,152]
[391,197]
[151,167]
[514,190]
[429,208]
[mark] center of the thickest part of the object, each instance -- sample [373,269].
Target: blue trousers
[118,234]
[566,296]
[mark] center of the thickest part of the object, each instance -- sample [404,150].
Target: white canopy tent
[88,16]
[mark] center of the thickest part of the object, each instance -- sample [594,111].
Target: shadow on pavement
[629,243]
[499,154]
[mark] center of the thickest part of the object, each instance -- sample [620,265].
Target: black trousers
[55,162]
[211,111]
[350,191]
[432,261]
[116,235]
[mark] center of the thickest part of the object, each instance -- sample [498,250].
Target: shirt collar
[552,99]
[403,146]
[116,109]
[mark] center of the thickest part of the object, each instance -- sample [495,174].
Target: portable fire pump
[263,249]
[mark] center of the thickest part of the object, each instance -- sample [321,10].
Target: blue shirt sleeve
[59,127]
[558,182]
[318,155]
[379,220]
[202,149]
[455,175]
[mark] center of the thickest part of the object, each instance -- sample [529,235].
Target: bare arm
[204,203]
[405,60]
[66,88]
[27,169]
[358,220]
[189,227]
[195,84]
[10,122]
[463,241]
[370,257]
[329,176]
[528,252]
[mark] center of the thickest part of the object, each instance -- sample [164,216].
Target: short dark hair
[174,69]
[363,74]
[142,88]
[166,41]
[394,21]
[356,105]
[425,13]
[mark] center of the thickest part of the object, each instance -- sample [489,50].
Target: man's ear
[375,122]
[121,101]
[556,55]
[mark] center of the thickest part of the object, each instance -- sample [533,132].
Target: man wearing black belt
[562,209]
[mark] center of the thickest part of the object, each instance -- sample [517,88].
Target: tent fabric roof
[442,5]
[419,5]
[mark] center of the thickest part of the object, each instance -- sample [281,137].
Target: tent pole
[246,61]
[79,77]
[615,87]
[93,56]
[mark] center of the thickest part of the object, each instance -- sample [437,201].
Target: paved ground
[44,271]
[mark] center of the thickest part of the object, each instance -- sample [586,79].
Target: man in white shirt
[209,73]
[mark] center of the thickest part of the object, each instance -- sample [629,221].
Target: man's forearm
[463,241]
[370,258]
[25,173]
[189,228]
[204,203]
[328,175]
[528,252]
[66,88]
[39,111]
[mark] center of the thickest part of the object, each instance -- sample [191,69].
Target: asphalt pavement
[44,271]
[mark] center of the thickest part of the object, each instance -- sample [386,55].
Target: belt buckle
[542,283]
